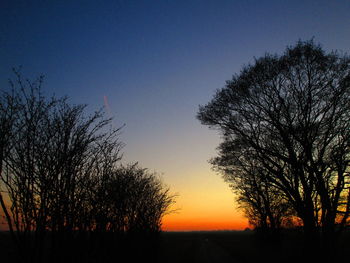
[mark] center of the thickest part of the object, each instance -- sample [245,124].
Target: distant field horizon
[206,231]
[203,229]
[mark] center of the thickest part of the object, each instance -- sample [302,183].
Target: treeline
[285,125]
[65,195]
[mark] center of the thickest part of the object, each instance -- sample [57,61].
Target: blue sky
[156,61]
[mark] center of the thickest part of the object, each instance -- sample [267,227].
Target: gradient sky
[155,62]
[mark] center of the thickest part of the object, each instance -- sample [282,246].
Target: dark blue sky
[156,61]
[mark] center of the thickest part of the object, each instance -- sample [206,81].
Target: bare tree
[130,202]
[61,171]
[52,145]
[265,206]
[8,111]
[293,112]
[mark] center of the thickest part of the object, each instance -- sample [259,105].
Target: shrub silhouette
[70,199]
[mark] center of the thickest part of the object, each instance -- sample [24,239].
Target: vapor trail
[108,109]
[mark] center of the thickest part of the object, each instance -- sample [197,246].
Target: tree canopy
[288,117]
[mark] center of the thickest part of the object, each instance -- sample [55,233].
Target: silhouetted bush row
[69,198]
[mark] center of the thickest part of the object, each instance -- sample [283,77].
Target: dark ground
[237,247]
[220,246]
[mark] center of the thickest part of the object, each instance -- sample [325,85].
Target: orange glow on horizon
[169,225]
[204,202]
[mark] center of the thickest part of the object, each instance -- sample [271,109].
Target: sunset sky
[153,63]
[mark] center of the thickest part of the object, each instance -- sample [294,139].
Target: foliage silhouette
[70,199]
[289,116]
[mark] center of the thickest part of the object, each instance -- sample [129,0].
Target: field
[236,246]
[218,246]
[230,246]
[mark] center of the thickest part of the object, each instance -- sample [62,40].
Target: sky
[154,63]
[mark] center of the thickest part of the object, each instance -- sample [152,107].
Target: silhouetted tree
[61,172]
[45,167]
[265,206]
[132,199]
[129,203]
[8,111]
[293,112]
